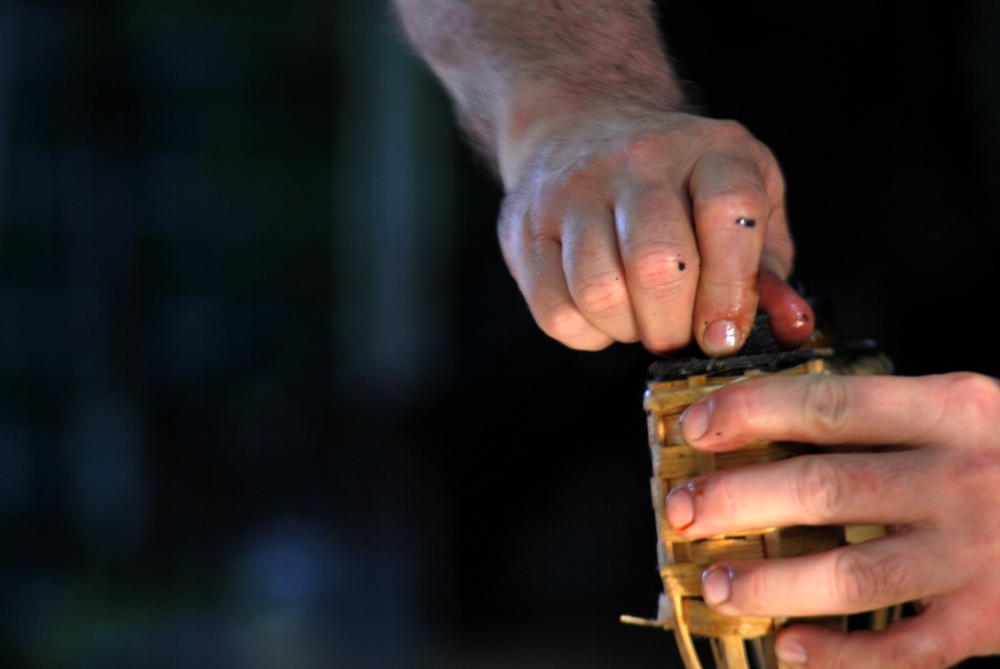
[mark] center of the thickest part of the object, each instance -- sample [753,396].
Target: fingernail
[680,508]
[715,585]
[791,652]
[694,421]
[721,337]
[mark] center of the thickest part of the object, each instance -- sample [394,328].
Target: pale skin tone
[627,218]
[622,216]
[936,487]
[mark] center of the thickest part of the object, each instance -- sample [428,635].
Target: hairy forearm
[511,64]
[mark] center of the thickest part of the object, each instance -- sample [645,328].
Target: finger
[851,579]
[731,212]
[779,250]
[838,489]
[595,274]
[821,409]
[661,264]
[791,316]
[536,263]
[937,638]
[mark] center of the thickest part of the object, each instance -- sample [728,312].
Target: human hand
[938,490]
[656,226]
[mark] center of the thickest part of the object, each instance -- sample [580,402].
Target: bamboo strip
[858,534]
[680,462]
[682,632]
[735,652]
[703,621]
[763,650]
[798,541]
[729,653]
[682,561]
[712,550]
[683,579]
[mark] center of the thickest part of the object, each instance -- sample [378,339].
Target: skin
[933,480]
[620,221]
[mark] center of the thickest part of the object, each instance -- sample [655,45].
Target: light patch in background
[46,331]
[10,20]
[311,599]
[16,486]
[104,452]
[392,207]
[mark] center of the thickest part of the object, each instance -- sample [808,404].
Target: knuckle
[564,323]
[734,201]
[728,131]
[821,490]
[977,393]
[660,270]
[856,579]
[604,296]
[826,403]
[584,183]
[864,582]
[512,214]
[646,150]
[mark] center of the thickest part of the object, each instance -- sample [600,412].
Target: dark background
[268,397]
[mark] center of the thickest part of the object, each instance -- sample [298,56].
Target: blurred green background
[268,397]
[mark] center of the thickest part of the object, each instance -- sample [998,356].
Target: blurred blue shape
[393,214]
[194,337]
[190,338]
[310,592]
[242,198]
[105,453]
[34,188]
[10,28]
[16,489]
[290,565]
[51,331]
[196,640]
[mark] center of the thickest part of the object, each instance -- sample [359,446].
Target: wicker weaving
[737,642]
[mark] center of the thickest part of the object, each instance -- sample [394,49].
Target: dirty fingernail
[791,652]
[680,508]
[721,338]
[715,586]
[694,421]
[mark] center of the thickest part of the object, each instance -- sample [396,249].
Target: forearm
[514,65]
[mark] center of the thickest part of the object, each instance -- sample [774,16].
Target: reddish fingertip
[792,319]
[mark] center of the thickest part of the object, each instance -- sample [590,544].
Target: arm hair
[506,62]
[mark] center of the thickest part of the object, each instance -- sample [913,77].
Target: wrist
[538,111]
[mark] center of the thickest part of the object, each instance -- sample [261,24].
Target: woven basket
[735,640]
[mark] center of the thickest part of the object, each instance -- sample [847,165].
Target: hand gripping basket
[736,642]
